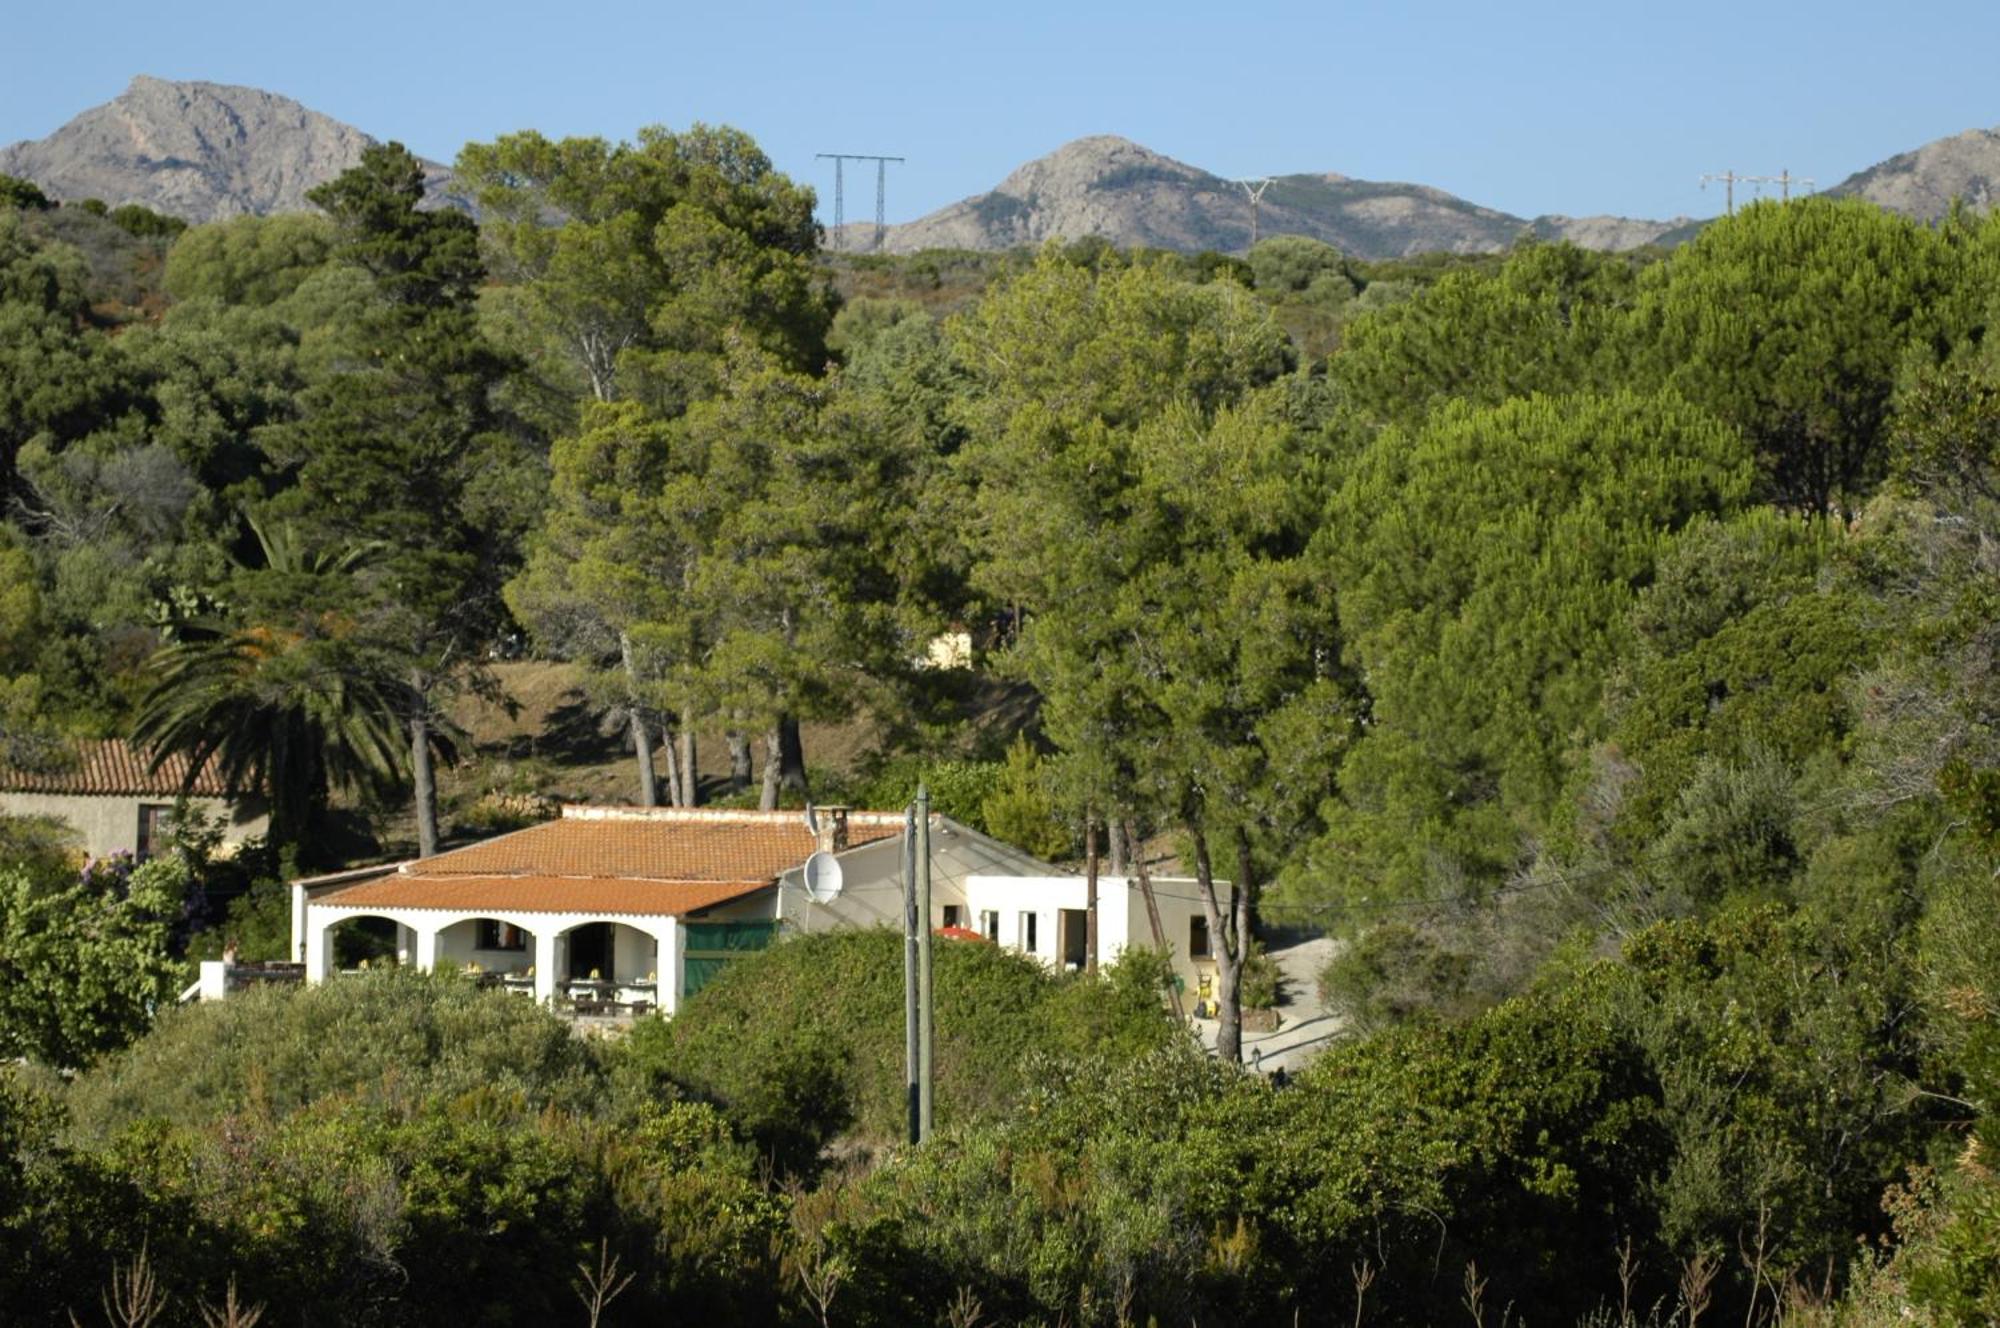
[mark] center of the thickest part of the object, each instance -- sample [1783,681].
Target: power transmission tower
[840,160]
[1730,179]
[1784,180]
[1254,191]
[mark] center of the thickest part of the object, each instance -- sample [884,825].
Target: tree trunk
[772,745]
[1089,892]
[673,769]
[642,732]
[1246,908]
[1153,911]
[1121,864]
[792,757]
[1225,946]
[690,779]
[424,777]
[739,761]
[642,749]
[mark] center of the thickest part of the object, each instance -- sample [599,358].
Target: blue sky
[1526,106]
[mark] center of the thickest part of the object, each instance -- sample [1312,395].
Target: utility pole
[1254,191]
[840,160]
[925,1003]
[911,1070]
[1784,180]
[1729,179]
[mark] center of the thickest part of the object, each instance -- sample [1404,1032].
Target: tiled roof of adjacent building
[113,767]
[651,861]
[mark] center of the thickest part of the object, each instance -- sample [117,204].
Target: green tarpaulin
[709,947]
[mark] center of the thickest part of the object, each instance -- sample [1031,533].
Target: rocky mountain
[202,151]
[1112,187]
[1922,183]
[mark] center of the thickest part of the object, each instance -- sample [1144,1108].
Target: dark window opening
[500,936]
[590,951]
[1197,938]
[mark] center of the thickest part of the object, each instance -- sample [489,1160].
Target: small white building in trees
[107,792]
[1047,917]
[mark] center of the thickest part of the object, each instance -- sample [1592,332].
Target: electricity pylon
[840,160]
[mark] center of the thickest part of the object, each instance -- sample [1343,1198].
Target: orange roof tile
[114,768]
[653,844]
[540,894]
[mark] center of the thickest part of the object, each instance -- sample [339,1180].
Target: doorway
[1072,933]
[590,951]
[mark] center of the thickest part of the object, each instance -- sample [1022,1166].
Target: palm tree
[296,702]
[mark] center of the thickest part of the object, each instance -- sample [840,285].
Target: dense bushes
[395,1039]
[805,1042]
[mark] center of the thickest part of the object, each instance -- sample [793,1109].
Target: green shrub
[496,813]
[804,1042]
[1261,980]
[23,194]
[397,1036]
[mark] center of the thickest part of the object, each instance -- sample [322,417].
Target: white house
[107,793]
[1046,917]
[635,906]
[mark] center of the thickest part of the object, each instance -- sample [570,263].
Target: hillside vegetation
[1600,646]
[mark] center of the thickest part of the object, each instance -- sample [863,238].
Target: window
[951,912]
[989,925]
[155,824]
[1028,932]
[500,936]
[1197,938]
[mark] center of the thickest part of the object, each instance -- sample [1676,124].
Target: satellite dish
[812,821]
[822,875]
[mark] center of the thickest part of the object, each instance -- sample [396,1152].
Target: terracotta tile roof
[654,844]
[648,862]
[114,768]
[540,894]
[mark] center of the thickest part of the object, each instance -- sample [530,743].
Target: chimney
[832,828]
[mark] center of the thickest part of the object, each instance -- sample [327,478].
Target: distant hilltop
[205,151]
[200,151]
[1112,187]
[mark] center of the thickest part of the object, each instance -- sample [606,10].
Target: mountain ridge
[200,151]
[207,151]
[1108,186]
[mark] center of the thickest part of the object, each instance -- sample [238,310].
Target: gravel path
[1305,1027]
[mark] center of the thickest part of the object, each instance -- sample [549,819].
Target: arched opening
[368,942]
[498,952]
[608,966]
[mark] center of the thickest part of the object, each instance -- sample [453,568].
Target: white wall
[1122,919]
[107,825]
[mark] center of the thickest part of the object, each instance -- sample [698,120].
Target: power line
[840,160]
[1730,179]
